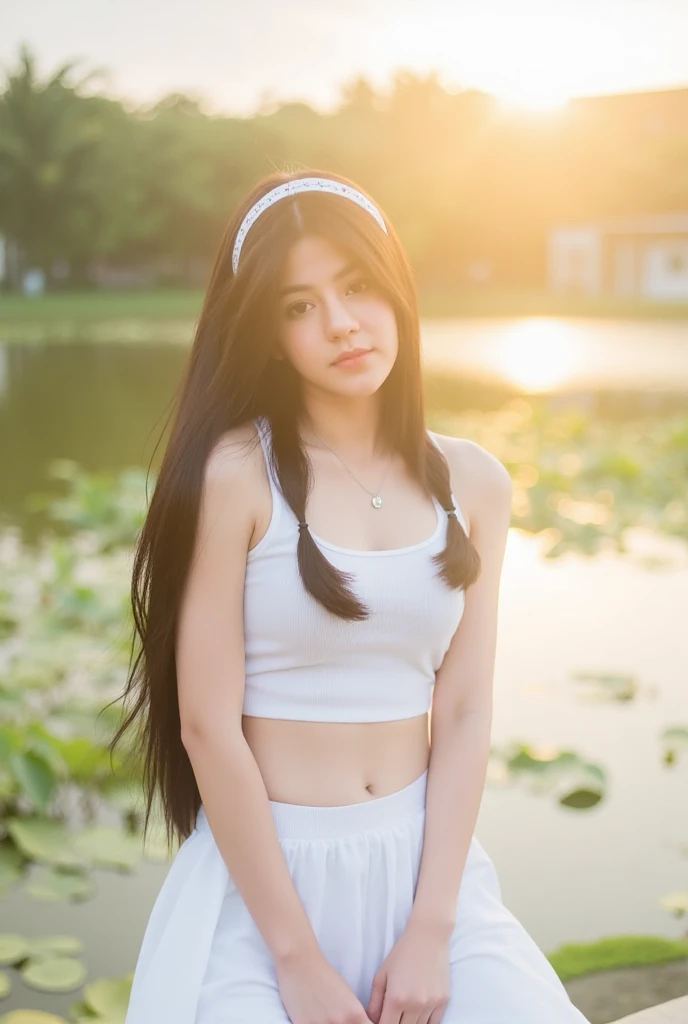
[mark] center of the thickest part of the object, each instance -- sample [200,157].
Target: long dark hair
[231,377]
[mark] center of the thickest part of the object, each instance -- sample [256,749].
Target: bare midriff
[329,763]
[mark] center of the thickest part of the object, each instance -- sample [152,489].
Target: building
[636,117]
[628,257]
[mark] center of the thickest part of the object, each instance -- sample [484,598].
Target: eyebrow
[307,287]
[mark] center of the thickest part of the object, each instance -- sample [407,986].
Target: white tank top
[303,662]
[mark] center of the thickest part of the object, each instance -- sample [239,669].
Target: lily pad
[109,998]
[57,974]
[581,799]
[675,741]
[44,840]
[13,947]
[577,783]
[5,984]
[109,847]
[35,777]
[86,761]
[609,686]
[31,1017]
[51,885]
[677,734]
[48,945]
[10,867]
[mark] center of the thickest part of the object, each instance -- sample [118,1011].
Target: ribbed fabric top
[303,662]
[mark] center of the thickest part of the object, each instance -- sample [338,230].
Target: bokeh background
[534,159]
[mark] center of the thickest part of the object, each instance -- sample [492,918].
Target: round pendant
[376,501]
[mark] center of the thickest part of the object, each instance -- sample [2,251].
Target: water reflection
[538,354]
[103,404]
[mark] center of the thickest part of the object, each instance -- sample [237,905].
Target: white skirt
[355,867]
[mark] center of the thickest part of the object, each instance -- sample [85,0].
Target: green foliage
[580,482]
[54,974]
[576,783]
[50,138]
[105,1001]
[48,963]
[610,686]
[66,610]
[31,1017]
[84,177]
[575,959]
[675,741]
[54,885]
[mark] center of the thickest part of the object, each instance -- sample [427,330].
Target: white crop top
[303,662]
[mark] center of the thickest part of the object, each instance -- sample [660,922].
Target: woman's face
[327,306]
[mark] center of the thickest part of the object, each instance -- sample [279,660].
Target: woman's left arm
[461,715]
[414,980]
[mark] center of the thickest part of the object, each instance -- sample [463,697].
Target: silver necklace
[375,499]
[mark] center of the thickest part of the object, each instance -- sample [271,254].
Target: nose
[339,321]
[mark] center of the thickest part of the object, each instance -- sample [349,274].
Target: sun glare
[538,354]
[536,100]
[530,55]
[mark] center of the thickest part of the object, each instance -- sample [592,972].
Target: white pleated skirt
[355,867]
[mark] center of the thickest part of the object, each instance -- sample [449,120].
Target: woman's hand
[412,985]
[313,992]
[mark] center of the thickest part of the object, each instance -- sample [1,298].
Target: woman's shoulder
[480,481]
[234,451]
[235,477]
[466,455]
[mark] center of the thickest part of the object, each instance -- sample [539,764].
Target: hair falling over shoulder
[231,377]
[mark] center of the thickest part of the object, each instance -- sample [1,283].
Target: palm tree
[49,140]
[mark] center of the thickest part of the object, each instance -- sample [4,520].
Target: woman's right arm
[210,685]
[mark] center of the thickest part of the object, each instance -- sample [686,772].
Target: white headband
[291,188]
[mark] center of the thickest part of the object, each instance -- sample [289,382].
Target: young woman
[315,589]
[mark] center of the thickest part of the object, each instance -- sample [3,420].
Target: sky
[237,56]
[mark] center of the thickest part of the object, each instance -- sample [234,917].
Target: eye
[358,281]
[294,312]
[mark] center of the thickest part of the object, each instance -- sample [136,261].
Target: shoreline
[622,974]
[79,308]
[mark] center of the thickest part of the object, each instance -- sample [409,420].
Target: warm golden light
[537,354]
[528,54]
[535,99]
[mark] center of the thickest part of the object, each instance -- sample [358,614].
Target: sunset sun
[536,97]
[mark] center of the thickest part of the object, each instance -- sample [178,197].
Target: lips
[351,354]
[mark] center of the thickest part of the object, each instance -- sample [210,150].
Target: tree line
[472,188]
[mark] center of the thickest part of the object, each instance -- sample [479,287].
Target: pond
[102,402]
[568,875]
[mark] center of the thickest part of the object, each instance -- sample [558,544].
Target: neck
[351,427]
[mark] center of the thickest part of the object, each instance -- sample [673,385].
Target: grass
[62,310]
[576,959]
[85,306]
